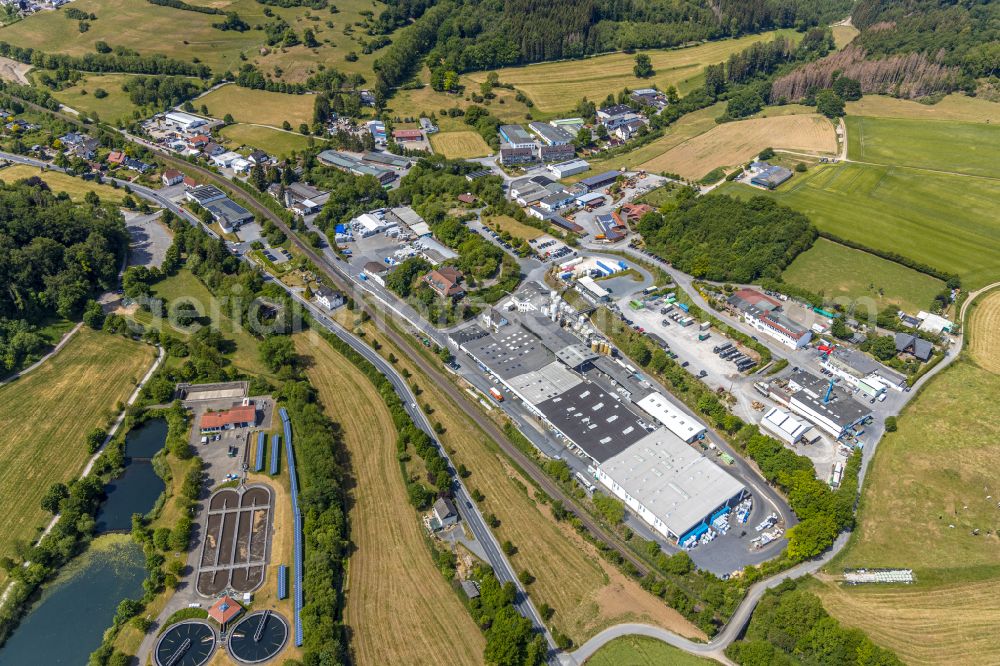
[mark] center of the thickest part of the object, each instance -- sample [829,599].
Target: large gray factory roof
[511,352]
[671,479]
[596,421]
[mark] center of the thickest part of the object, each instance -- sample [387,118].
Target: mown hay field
[76,188]
[399,607]
[984,331]
[47,414]
[733,143]
[460,144]
[259,106]
[558,86]
[513,227]
[958,147]
[837,271]
[951,107]
[945,221]
[587,593]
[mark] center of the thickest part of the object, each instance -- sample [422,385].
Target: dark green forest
[55,254]
[721,238]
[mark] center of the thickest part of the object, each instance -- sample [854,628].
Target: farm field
[952,107]
[76,188]
[47,414]
[558,86]
[930,485]
[984,331]
[272,141]
[587,593]
[733,143]
[906,211]
[514,228]
[258,106]
[969,148]
[116,106]
[644,651]
[835,270]
[399,607]
[460,144]
[178,34]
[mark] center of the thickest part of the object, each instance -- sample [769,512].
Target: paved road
[55,350]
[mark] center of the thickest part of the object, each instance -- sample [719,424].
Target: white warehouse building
[686,427]
[672,486]
[786,427]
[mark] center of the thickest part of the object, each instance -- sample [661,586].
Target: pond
[68,621]
[138,488]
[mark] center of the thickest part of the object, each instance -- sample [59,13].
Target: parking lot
[224,453]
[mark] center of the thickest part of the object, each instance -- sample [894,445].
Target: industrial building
[787,428]
[828,406]
[550,135]
[670,485]
[240,416]
[184,121]
[510,154]
[862,371]
[229,214]
[559,152]
[586,398]
[569,168]
[680,424]
[768,176]
[599,181]
[516,136]
[764,314]
[353,165]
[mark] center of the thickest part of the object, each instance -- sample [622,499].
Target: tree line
[122,60]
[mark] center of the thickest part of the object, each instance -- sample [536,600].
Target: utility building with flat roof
[600,181]
[516,136]
[670,485]
[684,426]
[829,407]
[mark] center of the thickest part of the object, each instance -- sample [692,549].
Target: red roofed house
[172,177]
[224,610]
[116,157]
[190,182]
[199,141]
[631,213]
[407,135]
[241,416]
[745,300]
[467,198]
[444,282]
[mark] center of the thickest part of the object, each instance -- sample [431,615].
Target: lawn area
[46,415]
[77,188]
[513,227]
[914,213]
[272,141]
[733,143]
[952,107]
[587,593]
[399,607]
[259,106]
[930,485]
[116,106]
[959,147]
[660,195]
[558,86]
[460,144]
[643,651]
[837,271]
[184,285]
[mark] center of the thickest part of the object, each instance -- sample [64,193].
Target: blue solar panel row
[293,484]
[282,581]
[275,453]
[261,443]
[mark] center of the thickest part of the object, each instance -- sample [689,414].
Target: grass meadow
[835,270]
[116,106]
[272,141]
[557,86]
[398,605]
[185,35]
[258,106]
[46,415]
[644,651]
[76,188]
[915,213]
[513,227]
[959,147]
[460,144]
[952,107]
